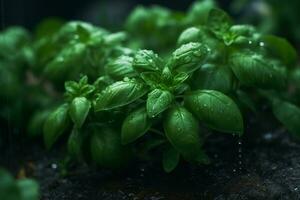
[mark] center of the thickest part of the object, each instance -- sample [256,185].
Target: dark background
[29,13]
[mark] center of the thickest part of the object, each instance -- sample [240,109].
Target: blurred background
[29,13]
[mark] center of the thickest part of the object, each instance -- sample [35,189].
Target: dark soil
[262,165]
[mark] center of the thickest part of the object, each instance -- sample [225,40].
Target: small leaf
[119,94]
[158,101]
[55,125]
[282,49]
[189,57]
[218,22]
[216,110]
[79,110]
[253,69]
[135,125]
[107,150]
[146,60]
[289,115]
[75,143]
[191,34]
[171,159]
[182,130]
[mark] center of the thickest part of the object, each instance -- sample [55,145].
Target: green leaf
[216,110]
[191,34]
[8,188]
[171,159]
[282,49]
[289,115]
[146,60]
[198,12]
[79,109]
[253,69]
[219,22]
[119,94]
[214,77]
[182,130]
[75,143]
[55,125]
[35,125]
[120,67]
[29,189]
[135,125]
[158,101]
[107,150]
[67,63]
[189,57]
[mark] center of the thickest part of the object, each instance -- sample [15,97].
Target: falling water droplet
[240,155]
[250,42]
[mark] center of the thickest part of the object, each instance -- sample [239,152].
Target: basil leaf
[146,60]
[158,101]
[35,125]
[198,12]
[79,109]
[289,115]
[170,160]
[216,110]
[66,65]
[29,189]
[214,77]
[282,49]
[107,150]
[135,125]
[189,57]
[151,78]
[119,94]
[253,69]
[55,125]
[8,188]
[219,22]
[191,34]
[182,130]
[75,143]
[120,67]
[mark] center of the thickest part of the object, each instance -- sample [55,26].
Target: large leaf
[120,67]
[55,125]
[182,130]
[8,188]
[189,57]
[282,49]
[119,94]
[216,110]
[107,150]
[253,69]
[158,101]
[214,77]
[79,110]
[135,125]
[289,115]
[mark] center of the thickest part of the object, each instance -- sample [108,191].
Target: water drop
[54,166]
[249,42]
[261,44]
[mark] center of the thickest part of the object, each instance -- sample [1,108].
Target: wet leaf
[135,125]
[158,101]
[119,94]
[216,110]
[55,125]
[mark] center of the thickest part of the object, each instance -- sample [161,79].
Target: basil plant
[142,105]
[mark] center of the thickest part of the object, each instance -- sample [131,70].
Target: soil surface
[263,165]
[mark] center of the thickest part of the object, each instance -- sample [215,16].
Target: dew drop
[261,44]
